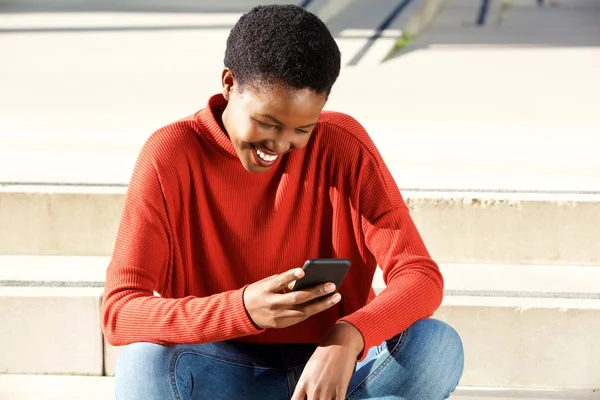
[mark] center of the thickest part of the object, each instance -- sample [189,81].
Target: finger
[317,306]
[282,280]
[306,295]
[299,393]
[299,313]
[268,278]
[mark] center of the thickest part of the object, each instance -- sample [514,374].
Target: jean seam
[291,382]
[173,371]
[377,372]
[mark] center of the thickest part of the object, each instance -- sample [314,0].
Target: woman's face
[264,124]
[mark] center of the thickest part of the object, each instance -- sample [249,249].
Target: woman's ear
[228,82]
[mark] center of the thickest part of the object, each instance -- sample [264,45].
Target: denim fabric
[423,363]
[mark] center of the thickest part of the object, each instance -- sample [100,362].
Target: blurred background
[487,113]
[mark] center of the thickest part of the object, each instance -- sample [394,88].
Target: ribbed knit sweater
[197,228]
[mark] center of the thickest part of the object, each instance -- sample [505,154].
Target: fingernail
[330,287]
[336,297]
[299,273]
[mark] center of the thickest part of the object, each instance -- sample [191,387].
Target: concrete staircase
[521,285]
[506,198]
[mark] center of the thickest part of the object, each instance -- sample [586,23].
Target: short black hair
[283,44]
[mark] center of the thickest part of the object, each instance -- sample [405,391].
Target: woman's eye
[267,126]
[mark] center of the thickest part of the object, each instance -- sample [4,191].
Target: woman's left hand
[327,374]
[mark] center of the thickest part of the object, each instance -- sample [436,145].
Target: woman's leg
[217,371]
[143,372]
[423,363]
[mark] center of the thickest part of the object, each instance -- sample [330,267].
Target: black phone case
[322,270]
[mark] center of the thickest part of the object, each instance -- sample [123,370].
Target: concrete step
[458,227]
[518,323]
[481,393]
[54,387]
[54,330]
[51,315]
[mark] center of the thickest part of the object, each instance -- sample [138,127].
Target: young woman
[223,209]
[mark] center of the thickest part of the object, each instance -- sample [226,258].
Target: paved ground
[86,89]
[172,6]
[523,24]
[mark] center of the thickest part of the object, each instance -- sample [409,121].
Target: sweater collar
[207,121]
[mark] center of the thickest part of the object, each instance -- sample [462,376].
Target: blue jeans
[423,363]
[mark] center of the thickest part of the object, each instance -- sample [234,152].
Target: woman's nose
[280,144]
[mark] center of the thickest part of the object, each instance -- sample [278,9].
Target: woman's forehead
[277,99]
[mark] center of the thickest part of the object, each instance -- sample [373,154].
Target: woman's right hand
[270,305]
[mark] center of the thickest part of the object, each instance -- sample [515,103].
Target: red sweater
[197,228]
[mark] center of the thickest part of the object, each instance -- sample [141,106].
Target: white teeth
[265,156]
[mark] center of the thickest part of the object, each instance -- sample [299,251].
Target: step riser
[456,230]
[527,348]
[57,330]
[51,330]
[59,223]
[507,232]
[507,347]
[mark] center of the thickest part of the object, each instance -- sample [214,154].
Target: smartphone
[322,270]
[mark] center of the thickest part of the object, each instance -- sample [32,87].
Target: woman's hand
[269,305]
[329,370]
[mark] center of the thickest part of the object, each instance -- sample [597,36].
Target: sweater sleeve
[414,284]
[140,263]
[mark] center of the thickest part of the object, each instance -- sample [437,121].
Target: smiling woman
[223,208]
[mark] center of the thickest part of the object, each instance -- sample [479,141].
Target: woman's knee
[439,351]
[143,372]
